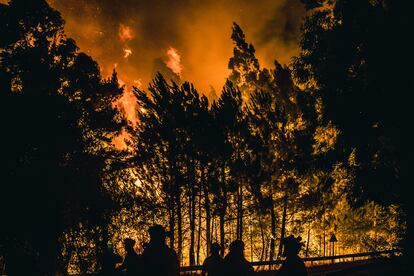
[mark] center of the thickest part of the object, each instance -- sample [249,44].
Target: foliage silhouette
[356,55]
[58,120]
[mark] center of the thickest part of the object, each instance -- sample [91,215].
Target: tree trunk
[199,230]
[273,232]
[175,203]
[208,217]
[307,242]
[238,211]
[263,238]
[214,234]
[251,240]
[223,209]
[324,241]
[191,209]
[171,205]
[207,210]
[172,223]
[222,232]
[179,228]
[283,227]
[239,225]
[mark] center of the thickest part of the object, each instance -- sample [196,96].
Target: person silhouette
[109,259]
[234,263]
[213,264]
[293,264]
[132,261]
[158,259]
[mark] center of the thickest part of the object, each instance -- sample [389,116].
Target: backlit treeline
[256,164]
[304,149]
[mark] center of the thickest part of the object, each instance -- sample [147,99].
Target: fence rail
[269,265]
[310,261]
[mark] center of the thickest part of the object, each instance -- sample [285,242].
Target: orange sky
[131,35]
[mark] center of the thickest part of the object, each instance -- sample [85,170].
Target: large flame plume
[174,61]
[127,105]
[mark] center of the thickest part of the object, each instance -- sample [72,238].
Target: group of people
[235,264]
[158,259]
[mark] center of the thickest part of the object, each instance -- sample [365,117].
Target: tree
[245,69]
[58,120]
[168,150]
[232,127]
[345,55]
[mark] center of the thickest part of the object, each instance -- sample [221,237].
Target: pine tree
[244,66]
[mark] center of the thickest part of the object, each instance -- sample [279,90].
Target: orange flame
[125,33]
[119,141]
[138,83]
[127,103]
[174,61]
[127,52]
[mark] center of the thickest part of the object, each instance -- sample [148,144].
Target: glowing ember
[125,33]
[174,61]
[127,52]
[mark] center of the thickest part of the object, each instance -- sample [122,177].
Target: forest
[312,148]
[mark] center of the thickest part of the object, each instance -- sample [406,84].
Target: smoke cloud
[134,36]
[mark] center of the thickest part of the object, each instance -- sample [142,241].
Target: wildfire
[120,141]
[127,105]
[138,83]
[125,33]
[121,82]
[127,52]
[174,60]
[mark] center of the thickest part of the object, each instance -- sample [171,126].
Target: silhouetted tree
[58,120]
[356,55]
[228,111]
[245,69]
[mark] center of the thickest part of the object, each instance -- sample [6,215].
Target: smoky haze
[134,36]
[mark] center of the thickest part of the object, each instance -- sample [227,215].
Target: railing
[312,261]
